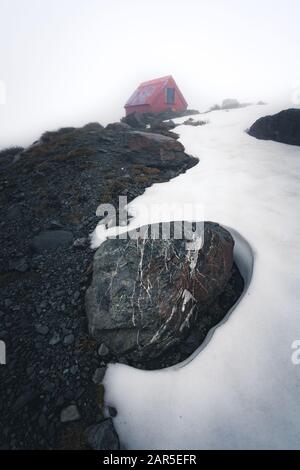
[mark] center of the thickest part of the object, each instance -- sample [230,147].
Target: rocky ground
[51,389]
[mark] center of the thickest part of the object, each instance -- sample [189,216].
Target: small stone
[80,243]
[103,350]
[99,375]
[51,240]
[69,339]
[112,411]
[16,158]
[76,295]
[19,265]
[70,413]
[30,370]
[60,401]
[42,329]
[8,303]
[49,387]
[54,225]
[42,421]
[54,340]
[43,304]
[74,369]
[102,436]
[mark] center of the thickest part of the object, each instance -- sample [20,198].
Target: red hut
[155,96]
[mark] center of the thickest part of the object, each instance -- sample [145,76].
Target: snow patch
[242,391]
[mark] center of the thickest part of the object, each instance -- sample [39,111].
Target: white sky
[68,62]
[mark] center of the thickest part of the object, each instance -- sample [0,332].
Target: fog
[69,62]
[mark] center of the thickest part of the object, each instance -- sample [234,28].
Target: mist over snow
[68,62]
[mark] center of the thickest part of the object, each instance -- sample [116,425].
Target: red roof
[147,91]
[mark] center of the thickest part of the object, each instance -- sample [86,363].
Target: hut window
[170,95]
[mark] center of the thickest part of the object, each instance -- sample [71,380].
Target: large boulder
[162,151]
[282,127]
[148,140]
[230,103]
[118,127]
[93,127]
[147,293]
[135,120]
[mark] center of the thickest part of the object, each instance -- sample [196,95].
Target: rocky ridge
[51,388]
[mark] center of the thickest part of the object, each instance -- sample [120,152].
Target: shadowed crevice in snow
[243,256]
